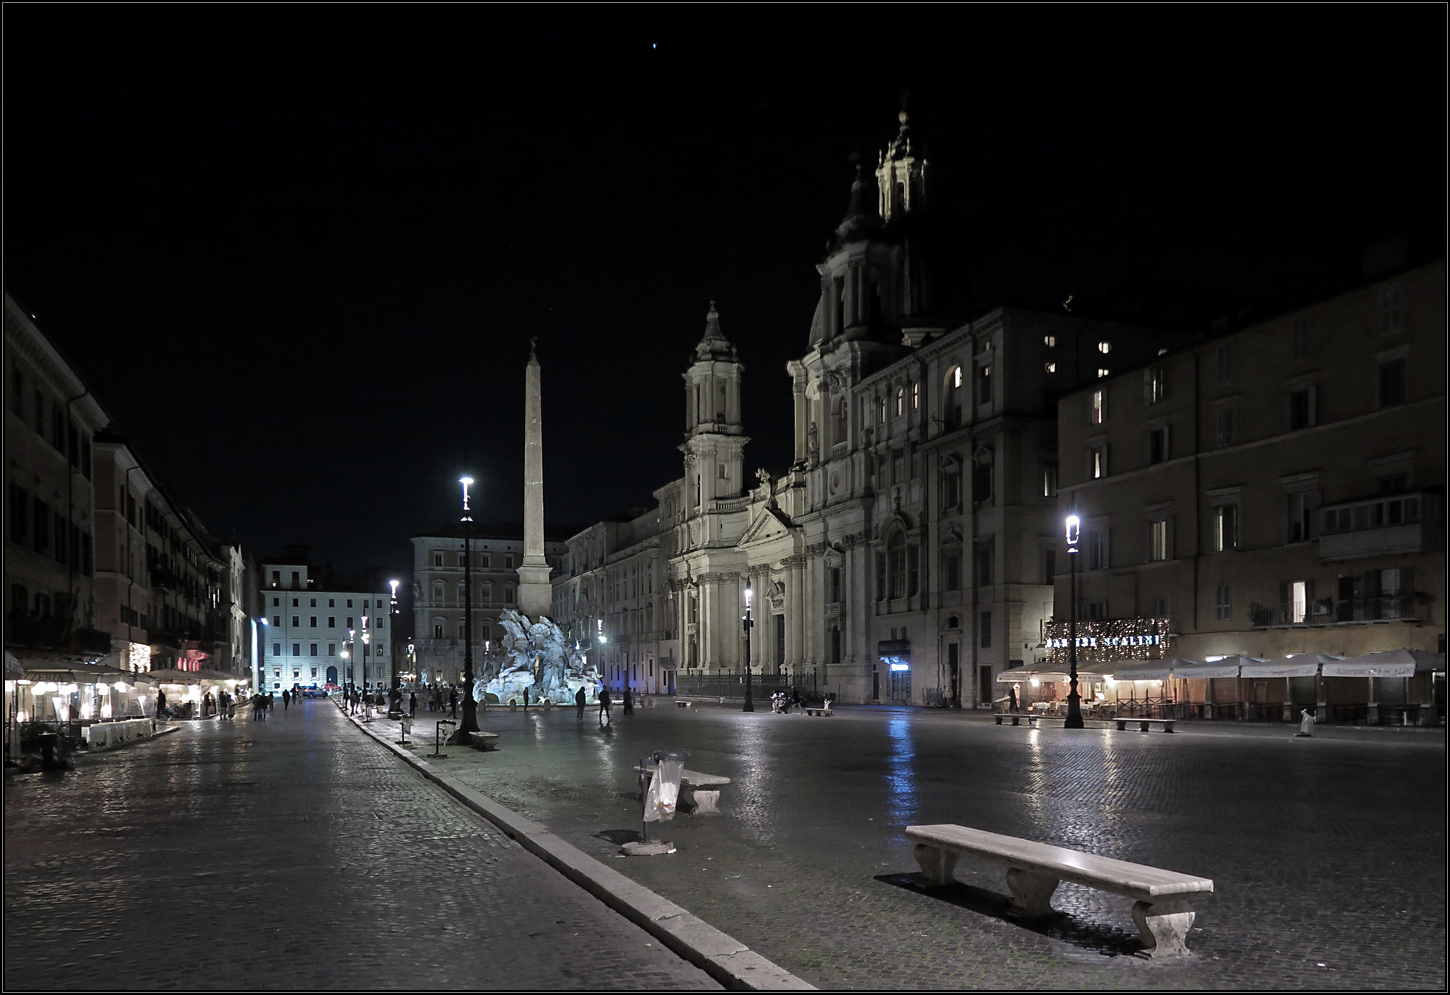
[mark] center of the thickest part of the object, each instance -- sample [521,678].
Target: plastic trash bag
[664,790]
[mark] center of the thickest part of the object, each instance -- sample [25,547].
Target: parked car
[314,692]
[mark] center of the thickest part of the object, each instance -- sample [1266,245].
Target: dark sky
[299,252]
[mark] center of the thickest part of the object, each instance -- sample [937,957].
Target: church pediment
[768,524]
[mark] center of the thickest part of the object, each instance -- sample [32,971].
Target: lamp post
[748,622]
[351,656]
[1074,700]
[395,697]
[470,709]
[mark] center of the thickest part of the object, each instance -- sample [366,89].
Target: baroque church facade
[907,553]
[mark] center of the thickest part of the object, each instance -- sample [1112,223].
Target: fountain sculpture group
[535,658]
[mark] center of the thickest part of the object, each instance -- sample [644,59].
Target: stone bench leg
[938,867]
[1142,727]
[1016,720]
[1122,725]
[999,720]
[1031,892]
[706,801]
[1164,925]
[1168,726]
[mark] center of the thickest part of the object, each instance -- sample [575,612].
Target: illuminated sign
[1114,639]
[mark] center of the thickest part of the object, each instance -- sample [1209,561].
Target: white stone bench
[1143,724]
[1017,717]
[683,704]
[819,710]
[1162,910]
[484,741]
[698,792]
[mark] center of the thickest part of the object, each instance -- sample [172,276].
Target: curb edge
[721,956]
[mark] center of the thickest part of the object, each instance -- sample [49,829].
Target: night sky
[299,253]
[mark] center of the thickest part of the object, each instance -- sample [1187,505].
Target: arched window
[952,398]
[843,408]
[438,591]
[896,563]
[900,401]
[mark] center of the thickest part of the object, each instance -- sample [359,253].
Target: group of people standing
[606,703]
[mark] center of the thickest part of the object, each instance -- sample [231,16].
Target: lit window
[1049,340]
[1105,347]
[1226,527]
[1102,371]
[1099,409]
[1158,540]
[1153,385]
[956,376]
[915,397]
[1050,367]
[900,401]
[1097,462]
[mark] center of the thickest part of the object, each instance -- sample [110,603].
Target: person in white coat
[1306,724]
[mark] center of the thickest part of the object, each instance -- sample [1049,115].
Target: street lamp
[395,699]
[351,655]
[470,710]
[1074,700]
[747,622]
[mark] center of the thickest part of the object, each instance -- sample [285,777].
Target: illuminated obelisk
[535,593]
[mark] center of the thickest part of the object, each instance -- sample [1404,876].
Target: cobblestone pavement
[1328,854]
[294,854]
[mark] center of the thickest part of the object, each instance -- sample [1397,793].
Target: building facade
[1278,489]
[613,598]
[439,632]
[50,507]
[906,554]
[314,635]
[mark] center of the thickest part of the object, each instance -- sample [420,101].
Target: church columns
[795,612]
[797,373]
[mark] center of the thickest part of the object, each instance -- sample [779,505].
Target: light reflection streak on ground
[902,776]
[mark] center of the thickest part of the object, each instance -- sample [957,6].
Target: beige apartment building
[439,627]
[1277,489]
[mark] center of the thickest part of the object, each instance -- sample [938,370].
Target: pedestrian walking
[412,705]
[1012,698]
[1306,724]
[526,699]
[160,704]
[271,702]
[604,718]
[628,700]
[453,702]
[259,705]
[286,699]
[580,700]
[208,704]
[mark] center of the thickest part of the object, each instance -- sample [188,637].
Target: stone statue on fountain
[535,656]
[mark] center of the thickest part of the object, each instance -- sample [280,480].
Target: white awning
[1390,663]
[1296,665]
[1149,670]
[1041,673]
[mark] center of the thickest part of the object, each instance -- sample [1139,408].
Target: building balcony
[1381,526]
[1379,608]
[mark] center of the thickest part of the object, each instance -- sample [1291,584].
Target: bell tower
[900,176]
[714,445]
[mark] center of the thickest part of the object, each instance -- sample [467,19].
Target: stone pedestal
[937,866]
[1031,892]
[1164,926]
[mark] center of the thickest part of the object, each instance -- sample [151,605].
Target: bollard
[437,737]
[407,725]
